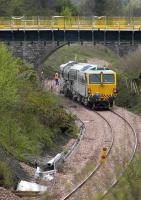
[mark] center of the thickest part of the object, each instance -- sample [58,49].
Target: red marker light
[89,90]
[115,90]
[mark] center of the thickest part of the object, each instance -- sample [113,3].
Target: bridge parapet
[70,23]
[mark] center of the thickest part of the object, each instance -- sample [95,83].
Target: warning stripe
[106,96]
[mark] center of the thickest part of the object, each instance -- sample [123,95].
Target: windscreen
[95,78]
[108,78]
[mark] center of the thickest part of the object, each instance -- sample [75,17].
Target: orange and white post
[103,154]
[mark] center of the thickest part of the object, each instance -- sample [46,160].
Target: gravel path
[7,195]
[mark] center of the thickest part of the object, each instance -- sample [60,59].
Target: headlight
[97,95]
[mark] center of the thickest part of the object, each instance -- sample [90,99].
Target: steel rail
[98,165]
[130,160]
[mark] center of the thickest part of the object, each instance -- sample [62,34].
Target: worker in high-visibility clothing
[56,77]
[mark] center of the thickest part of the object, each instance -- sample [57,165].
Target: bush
[6,177]
[32,122]
[125,98]
[129,68]
[130,64]
[129,187]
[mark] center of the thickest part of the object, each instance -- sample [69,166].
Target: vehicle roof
[98,71]
[68,64]
[93,68]
[78,66]
[87,68]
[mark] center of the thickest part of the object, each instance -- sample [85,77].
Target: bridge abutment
[33,52]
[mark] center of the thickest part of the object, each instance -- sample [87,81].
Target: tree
[8,77]
[67,13]
[5,8]
[102,8]
[114,8]
[33,7]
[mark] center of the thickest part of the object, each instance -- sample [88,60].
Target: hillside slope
[80,53]
[33,122]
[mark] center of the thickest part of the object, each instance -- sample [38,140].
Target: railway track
[98,165]
[128,163]
[106,171]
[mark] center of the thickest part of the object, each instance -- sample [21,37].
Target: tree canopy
[81,7]
[33,7]
[102,8]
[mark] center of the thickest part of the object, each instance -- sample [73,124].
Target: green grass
[89,167]
[6,177]
[129,186]
[81,53]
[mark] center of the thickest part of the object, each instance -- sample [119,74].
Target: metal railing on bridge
[70,23]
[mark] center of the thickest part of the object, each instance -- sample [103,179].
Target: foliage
[130,64]
[81,7]
[102,8]
[109,7]
[129,187]
[67,12]
[42,7]
[125,98]
[6,178]
[8,77]
[129,68]
[32,121]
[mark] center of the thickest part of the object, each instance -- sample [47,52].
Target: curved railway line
[107,170]
[98,165]
[130,160]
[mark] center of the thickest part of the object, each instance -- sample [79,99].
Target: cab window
[82,79]
[95,78]
[108,78]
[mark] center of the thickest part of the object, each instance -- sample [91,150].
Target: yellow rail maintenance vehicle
[94,86]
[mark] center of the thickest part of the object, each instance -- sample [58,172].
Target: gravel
[18,171]
[7,195]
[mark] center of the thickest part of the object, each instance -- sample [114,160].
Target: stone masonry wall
[37,52]
[33,52]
